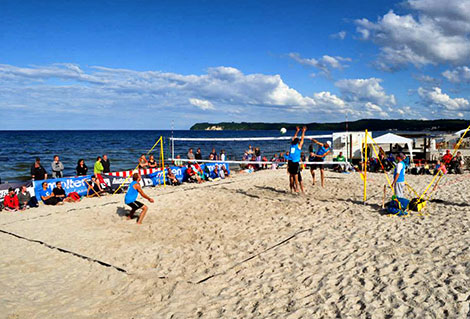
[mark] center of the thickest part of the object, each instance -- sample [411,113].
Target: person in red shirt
[11,202]
[447,157]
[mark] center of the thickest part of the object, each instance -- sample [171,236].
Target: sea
[18,149]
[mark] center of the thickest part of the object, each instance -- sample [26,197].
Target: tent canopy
[391,138]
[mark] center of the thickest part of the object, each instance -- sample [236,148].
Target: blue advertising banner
[69,184]
[179,172]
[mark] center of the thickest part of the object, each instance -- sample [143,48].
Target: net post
[365,167]
[163,160]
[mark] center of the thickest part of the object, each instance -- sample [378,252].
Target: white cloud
[365,90]
[202,104]
[460,74]
[325,64]
[438,32]
[340,35]
[436,98]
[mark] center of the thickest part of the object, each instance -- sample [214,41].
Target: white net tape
[255,162]
[221,139]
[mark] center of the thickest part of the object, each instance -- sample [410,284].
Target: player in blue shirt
[131,198]
[322,152]
[293,164]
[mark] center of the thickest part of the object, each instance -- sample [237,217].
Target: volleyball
[283,130]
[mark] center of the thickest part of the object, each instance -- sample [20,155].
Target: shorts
[400,189]
[135,205]
[317,159]
[293,167]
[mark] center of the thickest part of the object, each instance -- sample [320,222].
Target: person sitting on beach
[25,199]
[425,169]
[197,168]
[225,171]
[191,154]
[152,163]
[10,201]
[214,175]
[106,164]
[131,198]
[81,168]
[211,157]
[57,167]
[440,168]
[447,158]
[47,196]
[274,161]
[322,152]
[456,164]
[281,158]
[172,180]
[198,155]
[94,187]
[293,165]
[143,163]
[399,177]
[60,193]
[340,158]
[178,162]
[37,171]
[192,174]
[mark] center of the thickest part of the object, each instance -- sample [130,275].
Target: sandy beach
[241,248]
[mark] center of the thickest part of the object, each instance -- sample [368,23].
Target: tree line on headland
[360,125]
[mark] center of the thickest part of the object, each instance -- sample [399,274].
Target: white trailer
[350,143]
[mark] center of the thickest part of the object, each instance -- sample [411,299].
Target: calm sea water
[18,149]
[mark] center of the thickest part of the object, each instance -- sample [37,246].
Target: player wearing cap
[322,152]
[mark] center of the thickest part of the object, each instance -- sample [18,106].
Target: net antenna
[266,144]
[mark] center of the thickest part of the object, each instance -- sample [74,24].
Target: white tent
[391,138]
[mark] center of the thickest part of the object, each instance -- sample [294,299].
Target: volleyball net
[255,150]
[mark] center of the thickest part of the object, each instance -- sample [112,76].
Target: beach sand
[242,248]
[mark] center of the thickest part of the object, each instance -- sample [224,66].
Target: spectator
[60,194]
[37,171]
[57,167]
[98,168]
[143,163]
[440,168]
[222,156]
[81,168]
[10,201]
[191,154]
[447,158]
[106,164]
[214,155]
[224,171]
[425,169]
[94,187]
[193,176]
[339,158]
[250,150]
[26,200]
[258,154]
[282,157]
[456,164]
[152,163]
[178,162]
[47,196]
[172,180]
[214,175]
[198,155]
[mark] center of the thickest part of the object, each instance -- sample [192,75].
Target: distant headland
[360,125]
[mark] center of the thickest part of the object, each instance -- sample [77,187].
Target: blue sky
[146,64]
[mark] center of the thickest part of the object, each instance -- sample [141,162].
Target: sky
[163,64]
